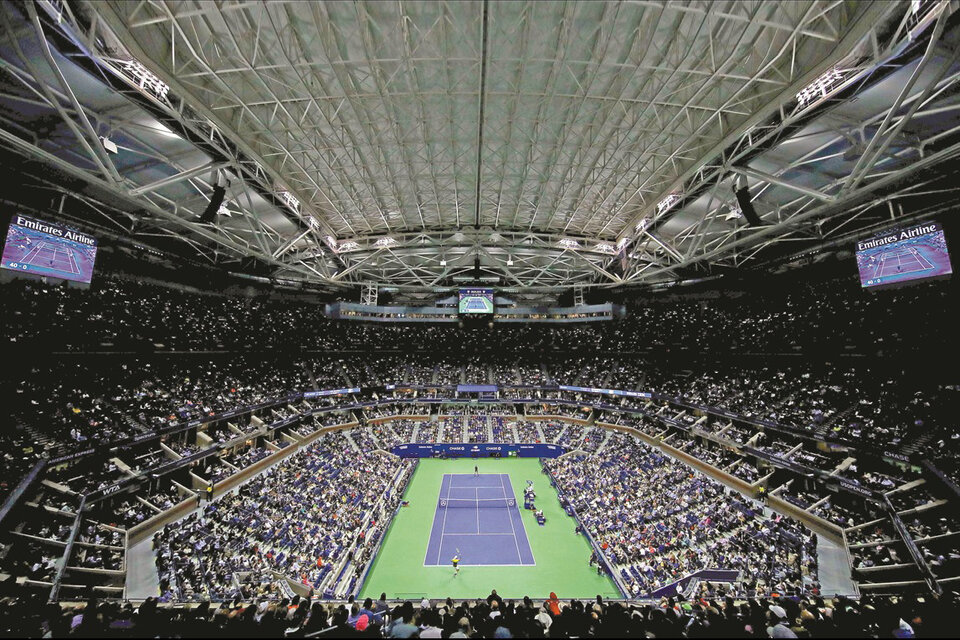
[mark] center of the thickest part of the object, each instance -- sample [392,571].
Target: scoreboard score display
[475,301]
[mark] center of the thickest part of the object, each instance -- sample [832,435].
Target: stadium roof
[538,145]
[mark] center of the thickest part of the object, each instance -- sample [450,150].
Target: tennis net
[481,503]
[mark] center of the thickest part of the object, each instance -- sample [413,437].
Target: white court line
[35,251]
[878,272]
[442,529]
[433,566]
[74,267]
[476,496]
[480,534]
[516,543]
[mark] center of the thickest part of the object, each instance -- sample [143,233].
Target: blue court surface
[476,304]
[479,516]
[906,260]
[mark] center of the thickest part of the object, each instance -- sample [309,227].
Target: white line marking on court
[516,543]
[433,566]
[74,267]
[879,270]
[35,251]
[443,527]
[440,544]
[480,534]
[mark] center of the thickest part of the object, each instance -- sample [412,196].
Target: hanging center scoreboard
[475,301]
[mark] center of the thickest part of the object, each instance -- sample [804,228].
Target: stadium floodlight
[820,88]
[290,200]
[568,243]
[385,242]
[667,202]
[604,247]
[348,245]
[146,79]
[509,261]
[643,224]
[224,211]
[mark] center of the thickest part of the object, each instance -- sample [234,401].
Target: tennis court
[562,556]
[901,262]
[477,304]
[51,256]
[478,516]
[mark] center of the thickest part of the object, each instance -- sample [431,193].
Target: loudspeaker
[216,201]
[746,207]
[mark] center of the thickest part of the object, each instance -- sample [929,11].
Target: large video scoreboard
[475,300]
[895,256]
[47,249]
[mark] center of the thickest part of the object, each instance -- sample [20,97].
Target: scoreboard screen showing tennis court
[47,249]
[476,301]
[901,255]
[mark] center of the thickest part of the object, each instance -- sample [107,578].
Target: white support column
[368,294]
[578,296]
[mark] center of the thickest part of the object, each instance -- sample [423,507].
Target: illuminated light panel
[146,79]
[289,199]
[820,88]
[568,243]
[604,247]
[385,242]
[667,202]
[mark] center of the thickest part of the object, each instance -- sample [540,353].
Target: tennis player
[476,471]
[456,565]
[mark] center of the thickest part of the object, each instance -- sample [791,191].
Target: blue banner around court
[479,450]
[476,388]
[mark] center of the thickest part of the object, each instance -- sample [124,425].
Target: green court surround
[561,555]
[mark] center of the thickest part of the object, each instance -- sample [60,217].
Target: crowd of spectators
[491,617]
[312,518]
[831,314]
[125,358]
[658,521]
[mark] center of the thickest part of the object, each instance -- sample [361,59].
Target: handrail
[62,567]
[21,488]
[915,554]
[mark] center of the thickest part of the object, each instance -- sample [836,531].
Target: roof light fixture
[667,202]
[820,88]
